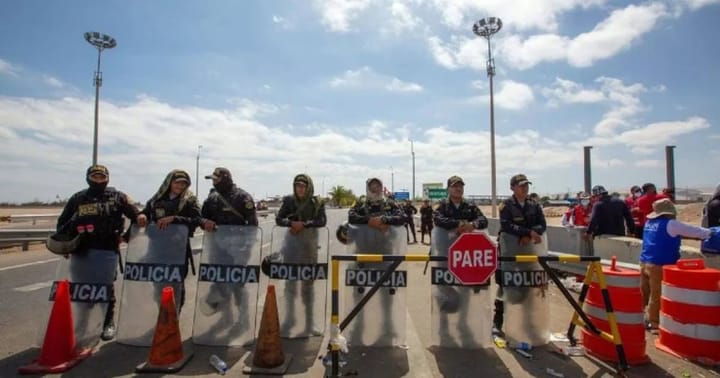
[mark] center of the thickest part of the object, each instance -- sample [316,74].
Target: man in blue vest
[661,246]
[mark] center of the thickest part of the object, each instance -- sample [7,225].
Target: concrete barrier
[626,249]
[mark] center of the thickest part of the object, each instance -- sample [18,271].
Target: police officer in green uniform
[174,203]
[524,218]
[97,214]
[303,213]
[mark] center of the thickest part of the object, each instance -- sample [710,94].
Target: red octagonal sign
[472,258]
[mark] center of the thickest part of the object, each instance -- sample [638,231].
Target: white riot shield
[524,287]
[299,269]
[461,315]
[91,277]
[381,322]
[155,259]
[227,290]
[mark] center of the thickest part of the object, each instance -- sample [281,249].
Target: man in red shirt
[644,203]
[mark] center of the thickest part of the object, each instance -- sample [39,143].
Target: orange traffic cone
[59,352]
[166,353]
[269,357]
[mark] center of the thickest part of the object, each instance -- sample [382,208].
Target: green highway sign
[434,193]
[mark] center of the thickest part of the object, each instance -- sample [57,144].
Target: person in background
[631,201]
[661,246]
[426,221]
[608,214]
[410,210]
[711,211]
[644,203]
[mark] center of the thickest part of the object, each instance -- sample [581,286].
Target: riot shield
[227,290]
[460,314]
[524,287]
[381,322]
[91,277]
[155,259]
[299,269]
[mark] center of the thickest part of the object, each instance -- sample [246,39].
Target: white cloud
[697,4]
[366,78]
[567,91]
[518,14]
[54,82]
[650,163]
[609,37]
[6,68]
[459,52]
[278,19]
[614,34]
[512,95]
[252,109]
[338,14]
[401,18]
[479,84]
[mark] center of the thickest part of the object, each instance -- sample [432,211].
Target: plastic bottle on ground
[218,364]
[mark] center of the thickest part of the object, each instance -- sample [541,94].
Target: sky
[338,89]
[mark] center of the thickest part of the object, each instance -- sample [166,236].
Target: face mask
[584,202]
[637,194]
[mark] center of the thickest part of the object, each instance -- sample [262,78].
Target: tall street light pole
[101,42]
[392,180]
[485,28]
[197,171]
[412,152]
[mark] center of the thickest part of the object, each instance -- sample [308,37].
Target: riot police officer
[453,217]
[524,218]
[226,205]
[96,213]
[174,203]
[303,213]
[378,213]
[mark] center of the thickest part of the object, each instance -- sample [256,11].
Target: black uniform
[426,222]
[518,219]
[711,212]
[410,212]
[103,210]
[237,208]
[607,217]
[449,216]
[98,212]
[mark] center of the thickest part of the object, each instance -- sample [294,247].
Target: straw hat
[662,207]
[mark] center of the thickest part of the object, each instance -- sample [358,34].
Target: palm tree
[340,196]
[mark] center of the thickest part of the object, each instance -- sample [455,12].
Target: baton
[120,263]
[428,261]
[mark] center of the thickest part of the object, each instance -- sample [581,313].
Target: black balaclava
[225,184]
[96,188]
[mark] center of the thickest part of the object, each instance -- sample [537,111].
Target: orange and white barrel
[624,291]
[690,311]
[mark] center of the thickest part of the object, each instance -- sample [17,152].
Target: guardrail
[34,218]
[23,236]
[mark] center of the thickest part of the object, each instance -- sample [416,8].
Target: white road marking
[33,287]
[416,351]
[29,264]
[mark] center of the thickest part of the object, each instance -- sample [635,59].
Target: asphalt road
[25,278]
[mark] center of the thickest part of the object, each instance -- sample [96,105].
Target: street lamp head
[100,40]
[485,27]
